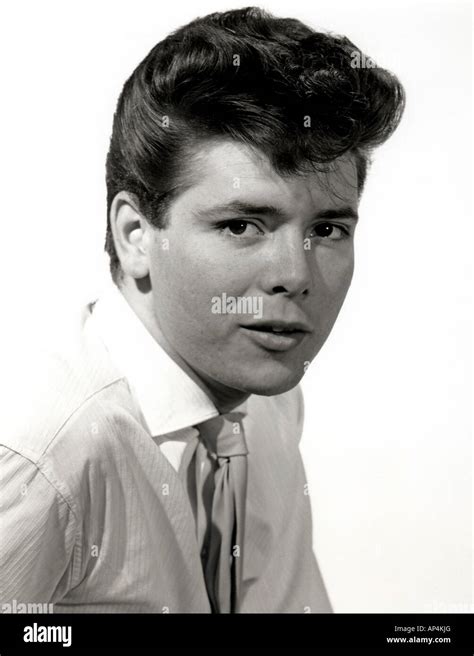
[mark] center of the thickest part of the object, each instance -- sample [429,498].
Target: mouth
[277,335]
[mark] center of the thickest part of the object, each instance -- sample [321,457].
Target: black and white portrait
[236,334]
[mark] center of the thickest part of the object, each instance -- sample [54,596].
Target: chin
[269,383]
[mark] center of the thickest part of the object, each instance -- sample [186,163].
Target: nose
[286,269]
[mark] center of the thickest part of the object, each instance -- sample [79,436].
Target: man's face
[244,232]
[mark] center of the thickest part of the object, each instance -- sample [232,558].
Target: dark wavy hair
[297,95]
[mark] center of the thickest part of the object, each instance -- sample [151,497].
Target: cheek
[205,268]
[334,279]
[185,280]
[183,269]
[336,270]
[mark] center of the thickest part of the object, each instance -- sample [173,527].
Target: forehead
[224,171]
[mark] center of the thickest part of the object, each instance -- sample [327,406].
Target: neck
[224,398]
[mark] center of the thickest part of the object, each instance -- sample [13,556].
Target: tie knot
[224,435]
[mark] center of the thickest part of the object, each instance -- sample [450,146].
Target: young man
[158,469]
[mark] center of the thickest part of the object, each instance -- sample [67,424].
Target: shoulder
[51,384]
[69,415]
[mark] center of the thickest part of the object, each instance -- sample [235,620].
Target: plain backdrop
[387,442]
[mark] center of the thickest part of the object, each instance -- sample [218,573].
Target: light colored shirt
[94,516]
[170,401]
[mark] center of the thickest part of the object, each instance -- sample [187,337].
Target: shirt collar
[168,398]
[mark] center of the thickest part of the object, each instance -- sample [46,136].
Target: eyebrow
[249,209]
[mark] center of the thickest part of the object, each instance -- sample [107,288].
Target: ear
[130,232]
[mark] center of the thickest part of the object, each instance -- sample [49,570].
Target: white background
[387,437]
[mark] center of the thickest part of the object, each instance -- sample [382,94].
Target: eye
[239,228]
[330,231]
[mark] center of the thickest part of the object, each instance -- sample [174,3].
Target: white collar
[168,398]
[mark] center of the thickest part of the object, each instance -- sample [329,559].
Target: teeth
[275,330]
